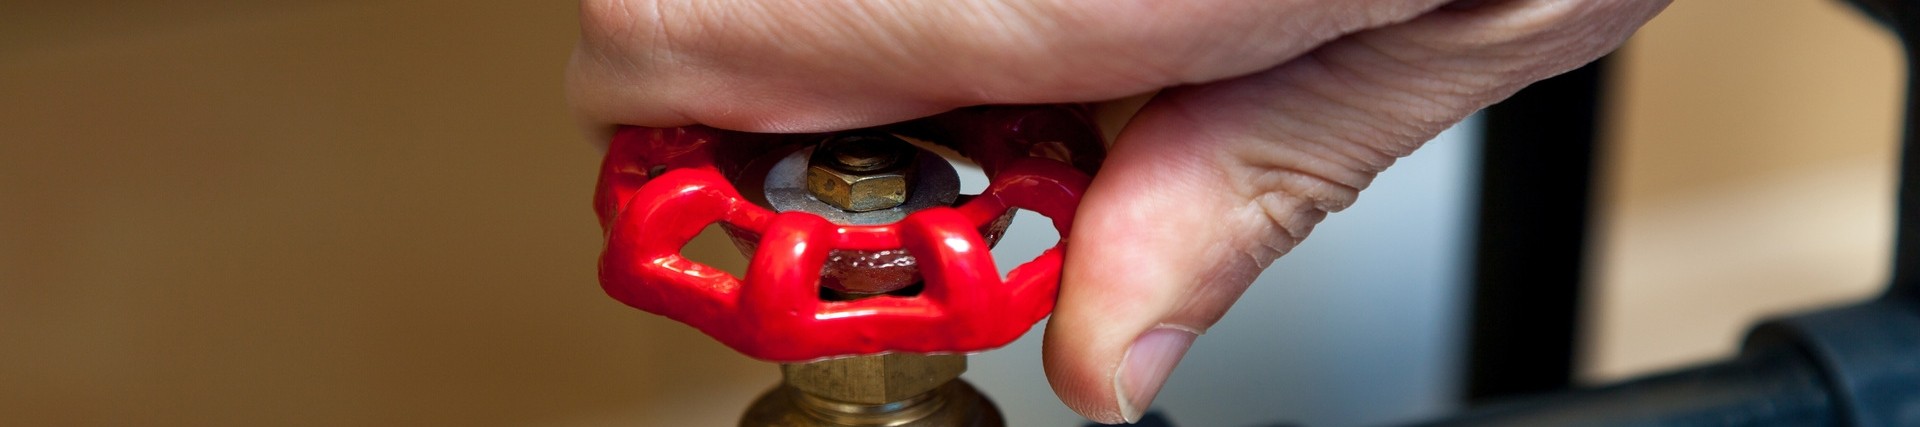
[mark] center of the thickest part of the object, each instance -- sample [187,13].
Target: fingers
[793,66]
[1209,184]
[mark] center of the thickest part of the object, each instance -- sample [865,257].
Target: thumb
[1209,184]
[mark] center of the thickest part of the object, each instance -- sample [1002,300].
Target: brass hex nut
[858,192]
[875,380]
[862,174]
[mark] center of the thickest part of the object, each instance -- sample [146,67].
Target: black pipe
[1855,366]
[1778,387]
[1535,173]
[1903,18]
[1868,354]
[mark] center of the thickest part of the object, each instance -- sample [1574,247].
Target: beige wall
[1751,173]
[334,213]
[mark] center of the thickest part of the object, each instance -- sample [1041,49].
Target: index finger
[801,66]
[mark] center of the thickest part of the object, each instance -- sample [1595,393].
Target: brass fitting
[894,390]
[875,380]
[861,172]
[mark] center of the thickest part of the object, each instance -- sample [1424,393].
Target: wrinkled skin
[1265,116]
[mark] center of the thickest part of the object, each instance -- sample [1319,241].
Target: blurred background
[376,213]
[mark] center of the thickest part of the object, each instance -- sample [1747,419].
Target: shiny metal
[862,172]
[935,184]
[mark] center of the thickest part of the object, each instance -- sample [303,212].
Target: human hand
[1268,116]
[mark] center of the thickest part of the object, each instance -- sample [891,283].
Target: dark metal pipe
[1903,18]
[1868,355]
[1773,388]
[1853,366]
[1536,168]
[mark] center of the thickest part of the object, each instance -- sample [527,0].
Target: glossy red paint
[659,187]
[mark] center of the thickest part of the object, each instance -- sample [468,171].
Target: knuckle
[605,20]
[1553,29]
[640,30]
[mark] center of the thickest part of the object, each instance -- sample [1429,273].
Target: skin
[1264,116]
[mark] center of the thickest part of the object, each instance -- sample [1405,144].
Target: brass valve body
[896,390]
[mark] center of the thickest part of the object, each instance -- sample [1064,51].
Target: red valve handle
[660,187]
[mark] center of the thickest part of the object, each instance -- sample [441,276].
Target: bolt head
[862,173]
